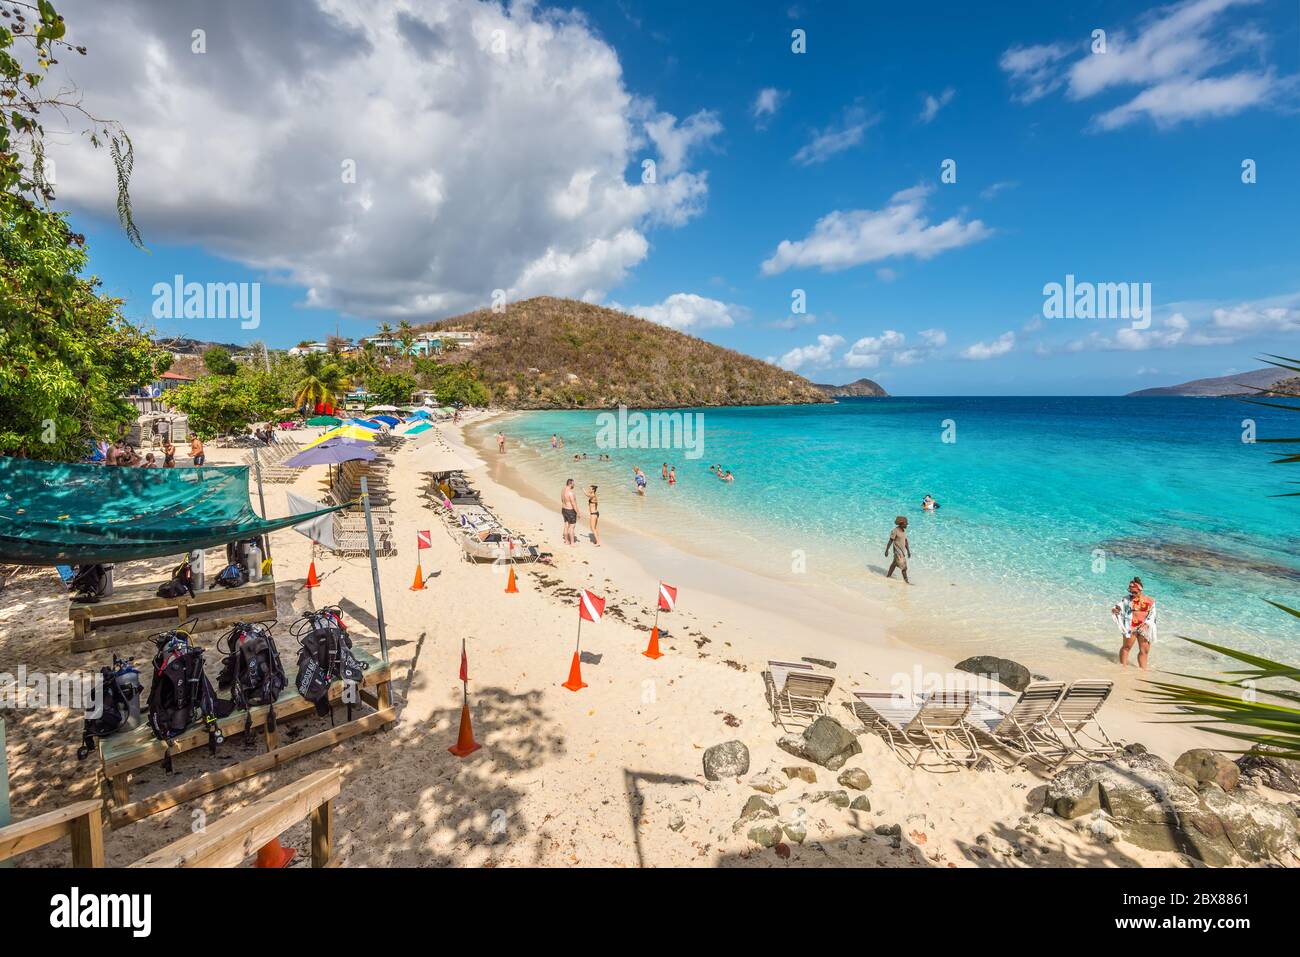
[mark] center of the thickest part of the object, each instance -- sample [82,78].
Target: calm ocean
[1049,506]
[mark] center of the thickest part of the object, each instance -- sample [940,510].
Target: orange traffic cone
[418,584]
[465,744]
[652,649]
[511,587]
[275,854]
[312,580]
[575,681]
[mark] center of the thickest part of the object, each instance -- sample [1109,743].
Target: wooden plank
[88,840]
[237,836]
[213,780]
[44,828]
[99,640]
[322,834]
[143,599]
[139,748]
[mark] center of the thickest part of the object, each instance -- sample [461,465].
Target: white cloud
[1175,330]
[885,274]
[934,338]
[933,104]
[991,191]
[766,103]
[686,310]
[1249,319]
[842,239]
[793,322]
[493,147]
[867,351]
[990,350]
[1169,56]
[835,139]
[816,355]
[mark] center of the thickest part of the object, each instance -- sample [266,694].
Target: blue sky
[1116,167]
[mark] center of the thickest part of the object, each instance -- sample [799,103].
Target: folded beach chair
[1073,725]
[915,727]
[1019,729]
[794,690]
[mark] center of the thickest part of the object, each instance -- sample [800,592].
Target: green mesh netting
[56,513]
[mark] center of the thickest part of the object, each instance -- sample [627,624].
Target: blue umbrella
[416,430]
[388,420]
[373,426]
[423,413]
[333,452]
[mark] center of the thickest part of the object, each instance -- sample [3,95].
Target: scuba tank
[197,570]
[114,705]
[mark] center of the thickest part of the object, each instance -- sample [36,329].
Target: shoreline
[860,630]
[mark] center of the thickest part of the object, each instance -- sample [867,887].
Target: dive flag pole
[374,569]
[4,787]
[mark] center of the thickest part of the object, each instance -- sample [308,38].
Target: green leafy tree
[392,388]
[228,404]
[1235,705]
[67,355]
[406,336]
[218,361]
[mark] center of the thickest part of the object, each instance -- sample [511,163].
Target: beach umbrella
[418,428]
[382,408]
[333,452]
[423,413]
[344,432]
[365,424]
[327,420]
[386,419]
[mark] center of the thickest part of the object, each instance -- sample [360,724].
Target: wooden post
[322,834]
[261,500]
[374,569]
[87,837]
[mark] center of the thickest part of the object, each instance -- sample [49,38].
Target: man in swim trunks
[1136,613]
[902,550]
[569,510]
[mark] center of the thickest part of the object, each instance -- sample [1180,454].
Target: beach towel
[1124,620]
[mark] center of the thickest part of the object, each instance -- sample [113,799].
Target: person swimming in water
[929,504]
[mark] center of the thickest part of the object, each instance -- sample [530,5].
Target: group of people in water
[125,455]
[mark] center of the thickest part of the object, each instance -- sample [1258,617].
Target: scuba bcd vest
[89,582]
[252,672]
[114,706]
[324,656]
[181,582]
[181,692]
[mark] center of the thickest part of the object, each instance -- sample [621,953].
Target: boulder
[860,803]
[727,760]
[838,798]
[1155,806]
[825,742]
[1261,768]
[803,774]
[768,783]
[854,778]
[1010,673]
[795,831]
[768,834]
[1208,766]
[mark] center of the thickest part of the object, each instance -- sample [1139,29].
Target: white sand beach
[607,776]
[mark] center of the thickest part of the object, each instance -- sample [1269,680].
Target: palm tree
[406,336]
[1263,718]
[386,331]
[319,383]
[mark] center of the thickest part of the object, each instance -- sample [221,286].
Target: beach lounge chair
[1073,725]
[1018,729]
[915,727]
[794,690]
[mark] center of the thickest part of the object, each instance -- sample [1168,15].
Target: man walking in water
[902,550]
[1136,617]
[569,509]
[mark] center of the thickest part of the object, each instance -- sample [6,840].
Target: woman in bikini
[593,511]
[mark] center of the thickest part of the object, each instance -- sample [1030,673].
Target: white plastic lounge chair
[794,690]
[1018,729]
[1074,726]
[926,724]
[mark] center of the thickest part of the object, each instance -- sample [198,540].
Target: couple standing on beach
[569,511]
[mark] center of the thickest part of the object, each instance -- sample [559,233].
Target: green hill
[548,353]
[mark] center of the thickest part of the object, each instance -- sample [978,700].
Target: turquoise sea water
[1049,506]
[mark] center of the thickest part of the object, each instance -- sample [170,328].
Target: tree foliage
[228,404]
[67,355]
[218,361]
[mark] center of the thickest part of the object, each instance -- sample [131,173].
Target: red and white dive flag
[667,597]
[423,539]
[464,662]
[590,606]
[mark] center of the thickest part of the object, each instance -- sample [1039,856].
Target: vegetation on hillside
[560,353]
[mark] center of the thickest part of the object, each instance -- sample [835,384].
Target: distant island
[1244,383]
[853,390]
